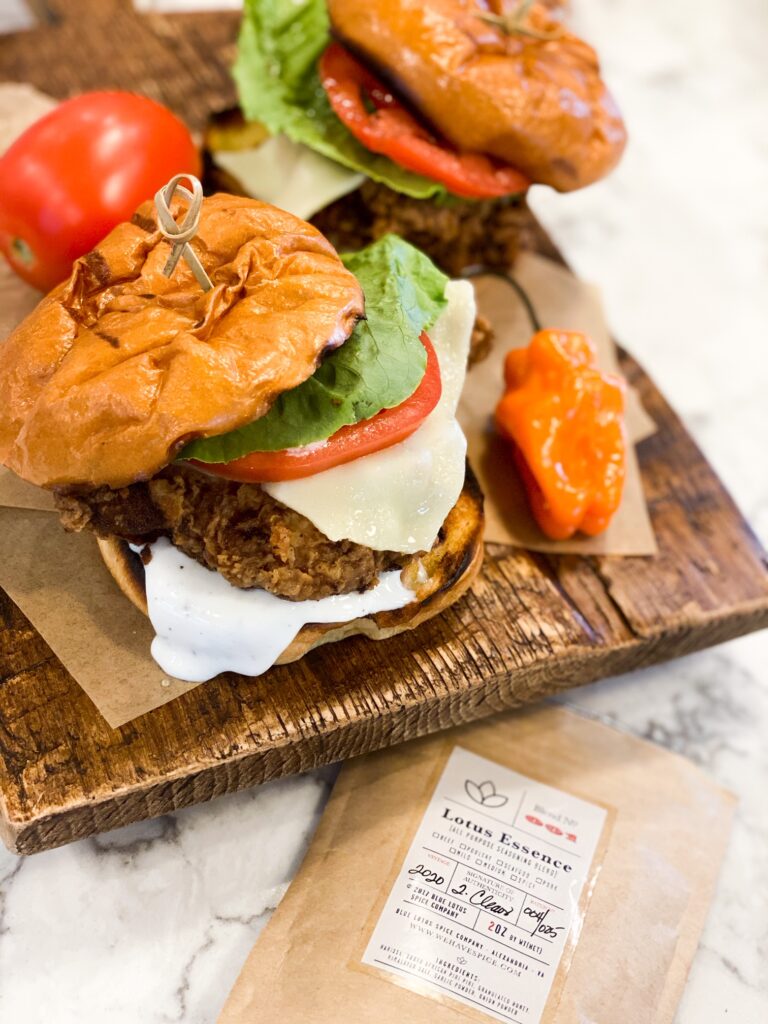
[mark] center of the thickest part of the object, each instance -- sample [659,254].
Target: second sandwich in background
[427,118]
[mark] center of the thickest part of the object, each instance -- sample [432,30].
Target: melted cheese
[289,175]
[397,499]
[205,626]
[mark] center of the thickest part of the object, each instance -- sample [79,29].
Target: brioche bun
[120,366]
[540,105]
[438,579]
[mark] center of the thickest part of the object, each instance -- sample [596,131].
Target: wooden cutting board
[533,624]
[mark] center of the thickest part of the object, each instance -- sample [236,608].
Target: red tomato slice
[351,442]
[391,130]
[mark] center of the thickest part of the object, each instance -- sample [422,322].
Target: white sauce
[205,626]
[289,175]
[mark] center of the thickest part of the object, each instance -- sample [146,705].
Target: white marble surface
[150,924]
[15,16]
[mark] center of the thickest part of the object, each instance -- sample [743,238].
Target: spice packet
[560,301]
[534,868]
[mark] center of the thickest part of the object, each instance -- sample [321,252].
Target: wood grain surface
[533,624]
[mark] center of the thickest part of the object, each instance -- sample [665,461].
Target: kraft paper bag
[636,932]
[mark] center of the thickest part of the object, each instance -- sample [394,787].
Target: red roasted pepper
[565,418]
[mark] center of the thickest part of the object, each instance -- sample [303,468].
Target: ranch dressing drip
[205,626]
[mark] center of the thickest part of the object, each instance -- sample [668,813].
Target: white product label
[489,890]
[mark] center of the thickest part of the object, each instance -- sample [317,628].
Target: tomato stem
[22,251]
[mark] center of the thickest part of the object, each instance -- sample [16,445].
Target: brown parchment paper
[17,493]
[16,300]
[642,925]
[60,583]
[561,301]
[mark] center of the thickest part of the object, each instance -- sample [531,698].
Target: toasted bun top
[120,366]
[539,105]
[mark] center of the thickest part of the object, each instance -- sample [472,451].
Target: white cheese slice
[397,499]
[289,175]
[205,626]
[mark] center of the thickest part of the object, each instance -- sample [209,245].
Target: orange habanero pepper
[565,419]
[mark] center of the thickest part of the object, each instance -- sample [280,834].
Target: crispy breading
[235,529]
[456,234]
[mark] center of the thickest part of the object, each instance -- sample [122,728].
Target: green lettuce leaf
[276,72]
[378,367]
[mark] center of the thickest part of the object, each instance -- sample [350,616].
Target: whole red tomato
[79,171]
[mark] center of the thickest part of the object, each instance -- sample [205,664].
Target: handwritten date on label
[427,875]
[541,927]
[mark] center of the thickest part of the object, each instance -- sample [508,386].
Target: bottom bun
[438,579]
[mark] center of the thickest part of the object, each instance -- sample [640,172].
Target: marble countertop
[151,923]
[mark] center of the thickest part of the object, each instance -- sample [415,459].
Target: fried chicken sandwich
[270,464]
[426,118]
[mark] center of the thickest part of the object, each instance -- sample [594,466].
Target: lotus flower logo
[484,793]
